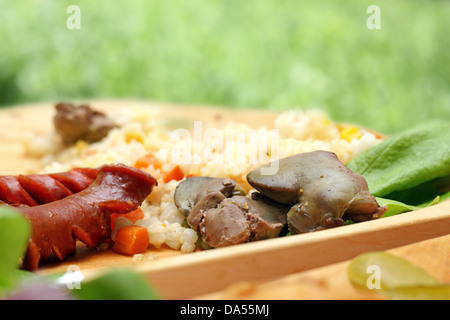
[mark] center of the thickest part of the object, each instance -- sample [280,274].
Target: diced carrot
[174,174]
[133,216]
[131,240]
[147,160]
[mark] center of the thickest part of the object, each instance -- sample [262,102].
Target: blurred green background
[266,54]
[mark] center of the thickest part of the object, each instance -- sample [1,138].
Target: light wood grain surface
[332,282]
[180,276]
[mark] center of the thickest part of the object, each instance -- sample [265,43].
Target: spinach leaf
[14,234]
[397,207]
[445,196]
[409,163]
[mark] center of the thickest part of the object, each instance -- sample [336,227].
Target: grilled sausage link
[36,189]
[84,215]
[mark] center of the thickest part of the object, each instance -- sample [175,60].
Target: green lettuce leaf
[14,234]
[397,207]
[116,284]
[409,169]
[394,277]
[412,162]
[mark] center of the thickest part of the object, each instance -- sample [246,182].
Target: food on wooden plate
[84,215]
[320,189]
[206,200]
[219,211]
[310,191]
[81,122]
[143,139]
[35,189]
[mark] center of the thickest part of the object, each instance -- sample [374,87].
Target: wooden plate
[179,276]
[332,282]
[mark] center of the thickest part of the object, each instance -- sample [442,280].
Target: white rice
[142,131]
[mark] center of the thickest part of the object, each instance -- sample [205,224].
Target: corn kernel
[80,145]
[351,133]
[134,135]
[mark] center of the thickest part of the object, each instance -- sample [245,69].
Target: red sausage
[35,189]
[12,192]
[76,180]
[84,215]
[43,188]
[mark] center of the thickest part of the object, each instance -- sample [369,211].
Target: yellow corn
[134,135]
[351,133]
[80,145]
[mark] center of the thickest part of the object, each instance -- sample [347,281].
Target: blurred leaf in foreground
[14,233]
[397,277]
[117,284]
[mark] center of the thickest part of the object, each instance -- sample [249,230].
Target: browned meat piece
[84,215]
[75,123]
[320,189]
[215,208]
[191,190]
[241,219]
[225,225]
[35,189]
